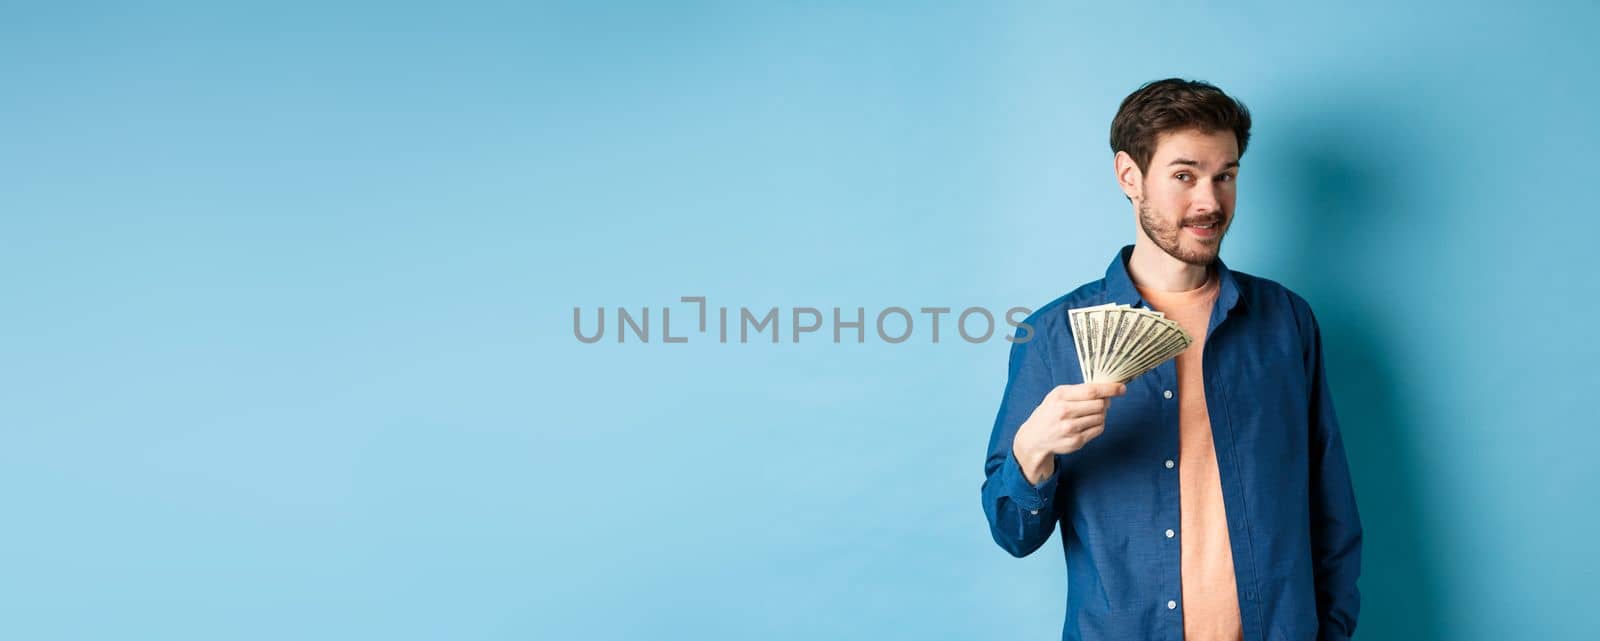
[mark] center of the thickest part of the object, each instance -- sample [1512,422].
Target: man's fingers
[1090,391]
[1074,409]
[1108,390]
[1084,423]
[1067,427]
[1074,441]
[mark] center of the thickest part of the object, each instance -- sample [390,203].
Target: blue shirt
[1292,522]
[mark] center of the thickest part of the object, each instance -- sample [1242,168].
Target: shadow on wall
[1334,174]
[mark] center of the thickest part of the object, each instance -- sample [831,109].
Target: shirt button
[1167,394]
[1170,464]
[1171,534]
[1172,605]
[1033,511]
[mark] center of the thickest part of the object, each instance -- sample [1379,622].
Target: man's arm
[1021,514]
[1335,525]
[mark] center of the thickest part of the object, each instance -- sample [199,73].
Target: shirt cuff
[1028,495]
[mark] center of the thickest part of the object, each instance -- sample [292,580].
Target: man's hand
[1067,419]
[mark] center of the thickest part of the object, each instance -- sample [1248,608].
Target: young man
[1209,499]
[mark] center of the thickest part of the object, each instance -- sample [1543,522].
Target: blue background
[286,348]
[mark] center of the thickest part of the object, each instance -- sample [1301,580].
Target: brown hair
[1174,104]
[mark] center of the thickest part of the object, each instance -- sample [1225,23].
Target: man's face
[1185,200]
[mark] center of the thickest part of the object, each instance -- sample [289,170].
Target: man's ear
[1129,178]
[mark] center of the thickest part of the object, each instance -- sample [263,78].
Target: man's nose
[1205,198]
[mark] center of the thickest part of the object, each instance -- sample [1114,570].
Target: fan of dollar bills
[1117,343]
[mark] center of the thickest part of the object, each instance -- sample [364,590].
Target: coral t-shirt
[1210,598]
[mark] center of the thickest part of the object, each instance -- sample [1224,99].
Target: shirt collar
[1120,287]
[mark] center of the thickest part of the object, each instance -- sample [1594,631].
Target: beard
[1169,237]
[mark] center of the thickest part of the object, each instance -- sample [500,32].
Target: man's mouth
[1207,230]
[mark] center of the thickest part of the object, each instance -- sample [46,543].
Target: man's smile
[1207,230]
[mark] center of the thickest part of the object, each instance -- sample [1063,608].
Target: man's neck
[1152,268]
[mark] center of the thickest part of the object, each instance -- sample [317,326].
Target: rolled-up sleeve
[1021,515]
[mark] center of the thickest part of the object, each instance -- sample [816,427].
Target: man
[1209,499]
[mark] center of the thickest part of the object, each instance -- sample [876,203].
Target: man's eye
[1182,176]
[1227,178]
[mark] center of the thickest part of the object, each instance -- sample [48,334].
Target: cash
[1116,343]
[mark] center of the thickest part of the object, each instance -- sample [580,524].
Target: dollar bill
[1117,343]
